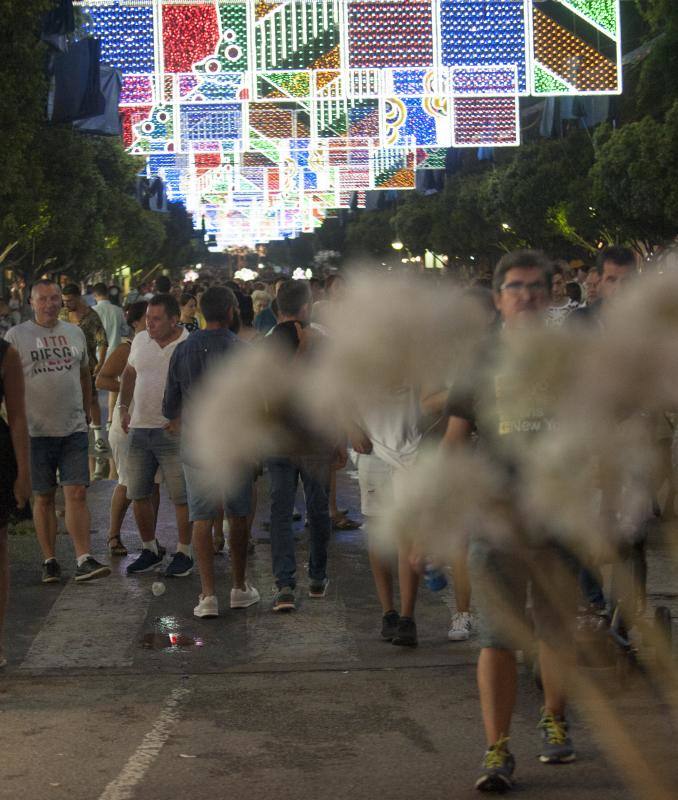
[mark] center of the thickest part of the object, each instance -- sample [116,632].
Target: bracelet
[123,405]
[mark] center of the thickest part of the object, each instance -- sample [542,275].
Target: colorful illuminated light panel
[263,115]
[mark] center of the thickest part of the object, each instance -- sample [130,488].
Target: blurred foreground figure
[507,415]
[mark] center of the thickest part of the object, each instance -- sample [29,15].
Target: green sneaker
[284,599]
[496,773]
[556,746]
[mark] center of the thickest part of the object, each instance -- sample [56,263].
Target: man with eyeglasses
[507,410]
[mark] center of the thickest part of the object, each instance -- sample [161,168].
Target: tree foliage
[67,199]
[634,179]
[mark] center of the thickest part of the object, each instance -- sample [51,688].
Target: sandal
[116,547]
[345,524]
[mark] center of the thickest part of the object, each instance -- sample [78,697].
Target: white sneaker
[243,598]
[461,627]
[207,607]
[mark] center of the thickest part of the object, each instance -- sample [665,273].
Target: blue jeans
[150,448]
[284,474]
[66,455]
[203,504]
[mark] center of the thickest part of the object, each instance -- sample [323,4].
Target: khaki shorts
[500,577]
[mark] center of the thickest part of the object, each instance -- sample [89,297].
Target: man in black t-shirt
[507,410]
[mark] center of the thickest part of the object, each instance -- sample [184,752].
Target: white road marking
[122,787]
[91,625]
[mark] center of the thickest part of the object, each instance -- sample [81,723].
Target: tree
[22,113]
[67,199]
[466,225]
[371,232]
[543,196]
[413,222]
[634,180]
[181,245]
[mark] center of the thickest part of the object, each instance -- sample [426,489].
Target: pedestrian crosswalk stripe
[90,626]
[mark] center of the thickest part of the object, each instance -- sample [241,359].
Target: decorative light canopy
[261,115]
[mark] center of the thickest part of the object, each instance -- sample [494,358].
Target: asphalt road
[97,704]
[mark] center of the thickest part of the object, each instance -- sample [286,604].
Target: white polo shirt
[151,363]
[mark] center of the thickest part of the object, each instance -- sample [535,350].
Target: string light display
[485,121]
[126,34]
[189,34]
[263,115]
[390,34]
[571,59]
[136,90]
[601,12]
[482,33]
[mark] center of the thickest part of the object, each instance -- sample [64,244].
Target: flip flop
[118,549]
[345,524]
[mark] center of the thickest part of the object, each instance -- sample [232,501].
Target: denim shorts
[204,504]
[150,448]
[501,577]
[67,455]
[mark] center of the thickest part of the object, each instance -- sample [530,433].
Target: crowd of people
[153,354]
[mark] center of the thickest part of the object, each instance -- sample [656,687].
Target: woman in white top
[109,379]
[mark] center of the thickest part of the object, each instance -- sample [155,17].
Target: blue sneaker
[147,561]
[179,567]
[496,773]
[557,747]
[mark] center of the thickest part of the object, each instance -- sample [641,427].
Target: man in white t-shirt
[561,306]
[58,395]
[153,442]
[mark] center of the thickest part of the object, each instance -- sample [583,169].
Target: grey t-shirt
[51,359]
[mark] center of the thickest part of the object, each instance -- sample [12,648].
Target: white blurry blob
[385,333]
[439,501]
[158,588]
[634,365]
[589,485]
[241,415]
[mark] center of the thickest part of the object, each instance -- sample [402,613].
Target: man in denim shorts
[507,414]
[152,443]
[58,396]
[191,360]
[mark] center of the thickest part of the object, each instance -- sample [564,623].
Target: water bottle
[434,578]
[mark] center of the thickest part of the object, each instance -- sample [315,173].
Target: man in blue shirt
[191,359]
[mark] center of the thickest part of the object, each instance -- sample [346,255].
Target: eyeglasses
[516,287]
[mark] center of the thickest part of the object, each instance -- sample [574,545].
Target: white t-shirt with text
[51,360]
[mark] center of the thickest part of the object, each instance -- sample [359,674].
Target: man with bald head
[58,396]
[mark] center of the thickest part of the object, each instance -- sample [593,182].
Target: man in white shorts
[388,441]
